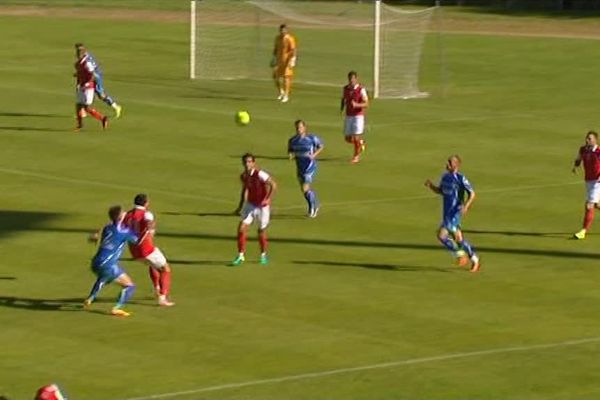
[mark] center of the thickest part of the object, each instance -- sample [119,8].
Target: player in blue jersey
[453,187]
[304,147]
[113,238]
[81,52]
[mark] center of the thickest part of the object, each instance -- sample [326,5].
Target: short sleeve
[148,216]
[263,176]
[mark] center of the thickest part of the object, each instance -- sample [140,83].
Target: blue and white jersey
[92,60]
[112,243]
[453,187]
[303,147]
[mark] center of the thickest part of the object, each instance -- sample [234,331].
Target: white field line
[86,182]
[338,126]
[392,364]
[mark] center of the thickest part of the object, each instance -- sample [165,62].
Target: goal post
[233,39]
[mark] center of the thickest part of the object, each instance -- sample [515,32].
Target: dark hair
[282,26]
[248,155]
[298,122]
[593,133]
[351,74]
[140,199]
[115,212]
[78,45]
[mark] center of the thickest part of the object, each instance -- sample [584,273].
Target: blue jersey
[94,63]
[453,187]
[303,147]
[112,243]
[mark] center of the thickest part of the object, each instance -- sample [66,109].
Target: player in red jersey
[258,188]
[354,100]
[589,155]
[86,86]
[142,222]
[49,392]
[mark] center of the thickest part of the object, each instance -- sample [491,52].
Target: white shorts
[156,259]
[263,214]
[85,96]
[354,125]
[593,191]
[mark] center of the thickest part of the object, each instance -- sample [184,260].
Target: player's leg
[88,99]
[154,278]
[277,77]
[101,93]
[592,199]
[287,84]
[80,113]
[158,262]
[466,247]
[264,218]
[128,287]
[101,281]
[248,214]
[309,194]
[357,129]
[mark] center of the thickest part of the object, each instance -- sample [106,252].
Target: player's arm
[470,199]
[271,188]
[319,148]
[94,236]
[290,150]
[364,100]
[435,189]
[243,198]
[342,104]
[576,163]
[292,52]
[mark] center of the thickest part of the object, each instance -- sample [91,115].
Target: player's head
[283,29]
[141,200]
[249,161]
[591,138]
[79,50]
[115,213]
[352,77]
[300,127]
[49,392]
[453,163]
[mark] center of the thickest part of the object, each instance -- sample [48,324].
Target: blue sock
[125,295]
[98,285]
[448,243]
[313,199]
[310,197]
[466,246]
[108,100]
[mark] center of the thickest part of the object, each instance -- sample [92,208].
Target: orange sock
[95,114]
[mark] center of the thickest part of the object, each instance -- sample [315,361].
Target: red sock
[95,114]
[263,241]
[79,114]
[165,282]
[154,277]
[242,242]
[588,218]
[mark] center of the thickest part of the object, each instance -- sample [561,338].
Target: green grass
[366,283]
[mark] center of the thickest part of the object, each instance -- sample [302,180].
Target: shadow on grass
[29,128]
[274,214]
[560,235]
[64,304]
[188,262]
[16,221]
[540,12]
[286,158]
[21,114]
[8,278]
[383,267]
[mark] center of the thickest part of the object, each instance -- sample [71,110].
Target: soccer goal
[233,39]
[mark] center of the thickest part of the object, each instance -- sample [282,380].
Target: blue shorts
[99,86]
[306,176]
[108,273]
[451,222]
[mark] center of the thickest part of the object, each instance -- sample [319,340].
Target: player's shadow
[22,114]
[188,262]
[377,266]
[8,278]
[274,214]
[64,304]
[286,158]
[29,128]
[560,235]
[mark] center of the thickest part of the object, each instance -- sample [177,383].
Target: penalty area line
[392,364]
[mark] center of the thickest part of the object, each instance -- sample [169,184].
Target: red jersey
[591,162]
[85,72]
[49,392]
[140,220]
[356,93]
[255,182]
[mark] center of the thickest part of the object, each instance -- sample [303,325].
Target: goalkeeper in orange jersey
[283,62]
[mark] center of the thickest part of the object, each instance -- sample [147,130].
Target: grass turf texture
[365,283]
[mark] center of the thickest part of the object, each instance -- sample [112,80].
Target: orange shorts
[283,71]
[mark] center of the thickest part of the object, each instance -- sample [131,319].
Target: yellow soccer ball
[242,118]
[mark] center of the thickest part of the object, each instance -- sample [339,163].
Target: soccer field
[359,303]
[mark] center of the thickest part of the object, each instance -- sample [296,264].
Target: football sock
[311,199]
[242,242]
[165,282]
[109,100]
[125,295]
[448,243]
[357,148]
[154,277]
[588,218]
[263,241]
[466,246]
[80,114]
[94,113]
[98,285]
[287,84]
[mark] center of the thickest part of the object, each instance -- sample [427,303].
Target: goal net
[234,40]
